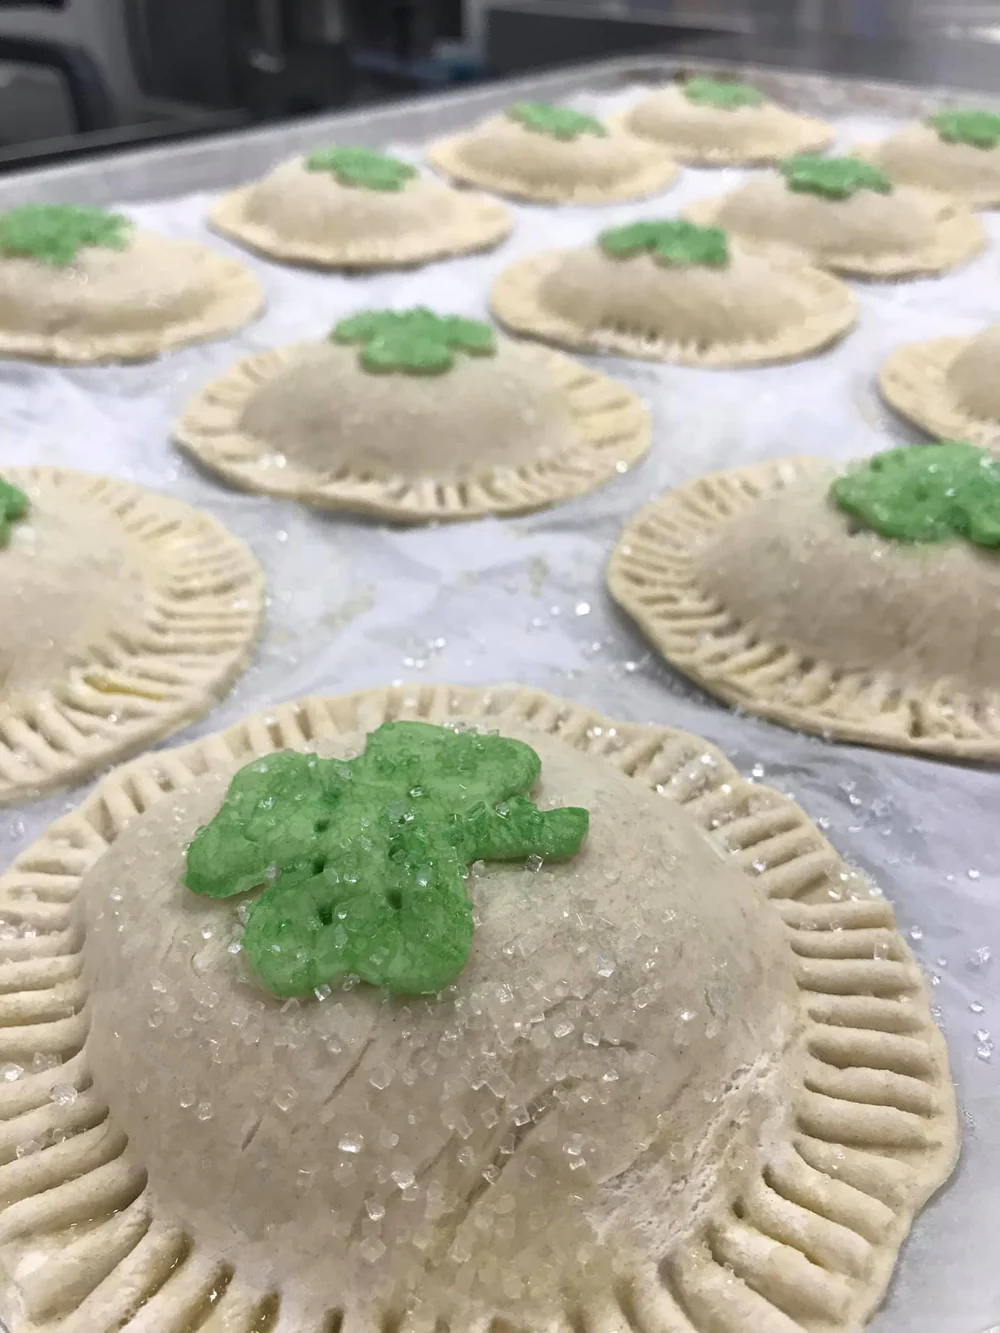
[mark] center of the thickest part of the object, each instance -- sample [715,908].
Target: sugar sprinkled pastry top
[553,154]
[85,285]
[340,206]
[415,415]
[364,859]
[13,506]
[948,386]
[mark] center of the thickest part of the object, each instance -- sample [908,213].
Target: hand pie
[948,386]
[954,151]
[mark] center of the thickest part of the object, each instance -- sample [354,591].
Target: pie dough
[711,136]
[757,586]
[948,386]
[869,235]
[759,308]
[500,434]
[918,156]
[125,615]
[723,1123]
[502,155]
[308,217]
[127,304]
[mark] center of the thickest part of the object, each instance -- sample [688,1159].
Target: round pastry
[846,215]
[81,285]
[948,386]
[719,122]
[344,207]
[671,291]
[681,1063]
[863,605]
[125,614]
[553,155]
[415,416]
[955,151]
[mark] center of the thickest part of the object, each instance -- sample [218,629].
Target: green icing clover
[724,94]
[926,493]
[978,129]
[558,122]
[362,861]
[13,505]
[55,233]
[668,243]
[832,177]
[362,168]
[413,342]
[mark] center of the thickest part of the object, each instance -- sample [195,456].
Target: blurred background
[81,76]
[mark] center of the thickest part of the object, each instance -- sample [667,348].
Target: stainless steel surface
[523,599]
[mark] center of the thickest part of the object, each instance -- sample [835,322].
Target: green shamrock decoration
[558,122]
[668,242]
[362,169]
[362,861]
[978,129]
[723,94]
[832,177]
[926,493]
[13,505]
[55,234]
[413,342]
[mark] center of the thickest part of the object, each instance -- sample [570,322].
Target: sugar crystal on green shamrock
[724,94]
[13,506]
[977,129]
[362,862]
[669,243]
[54,234]
[832,177]
[558,122]
[361,168]
[926,493]
[414,342]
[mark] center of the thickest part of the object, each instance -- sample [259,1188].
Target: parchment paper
[356,604]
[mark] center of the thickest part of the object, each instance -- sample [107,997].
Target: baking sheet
[354,604]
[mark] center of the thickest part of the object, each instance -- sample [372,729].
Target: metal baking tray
[354,603]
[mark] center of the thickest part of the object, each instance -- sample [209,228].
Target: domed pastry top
[846,215]
[715,122]
[948,386]
[954,151]
[372,420]
[81,285]
[663,1056]
[554,155]
[669,291]
[352,208]
[775,593]
[125,614]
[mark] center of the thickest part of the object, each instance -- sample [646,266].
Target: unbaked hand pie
[955,151]
[554,155]
[124,615]
[719,122]
[862,604]
[671,291]
[82,285]
[343,207]
[846,215]
[948,386]
[415,416]
[438,1007]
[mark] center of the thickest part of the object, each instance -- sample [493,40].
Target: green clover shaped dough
[832,177]
[13,505]
[413,342]
[363,860]
[558,122]
[978,129]
[362,168]
[926,493]
[54,234]
[724,94]
[668,242]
